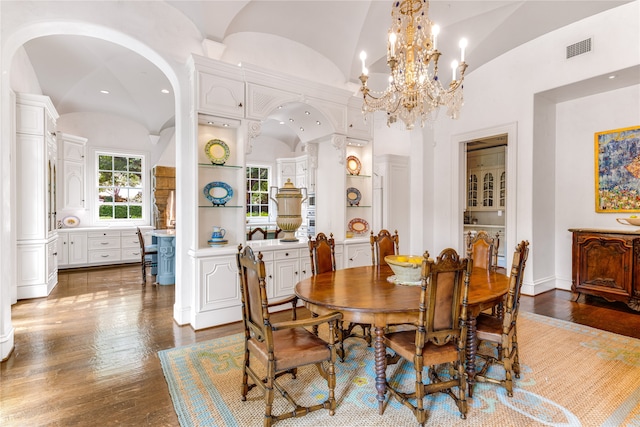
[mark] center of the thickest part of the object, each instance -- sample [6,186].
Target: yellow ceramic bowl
[407,268]
[629,221]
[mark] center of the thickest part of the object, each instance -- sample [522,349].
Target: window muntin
[120,186]
[258,192]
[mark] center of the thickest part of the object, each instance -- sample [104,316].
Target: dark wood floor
[87,354]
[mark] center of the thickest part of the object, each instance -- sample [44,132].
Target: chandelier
[415,90]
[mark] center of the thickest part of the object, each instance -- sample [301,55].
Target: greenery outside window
[258,193]
[120,186]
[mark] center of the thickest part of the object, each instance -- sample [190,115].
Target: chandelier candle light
[414,90]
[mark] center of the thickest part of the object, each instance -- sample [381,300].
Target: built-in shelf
[211,165]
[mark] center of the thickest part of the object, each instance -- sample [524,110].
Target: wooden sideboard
[606,263]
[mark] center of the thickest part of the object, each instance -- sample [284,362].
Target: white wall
[577,122]
[503,92]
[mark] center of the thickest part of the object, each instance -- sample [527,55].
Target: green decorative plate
[217,151]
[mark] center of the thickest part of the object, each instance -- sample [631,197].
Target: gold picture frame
[617,170]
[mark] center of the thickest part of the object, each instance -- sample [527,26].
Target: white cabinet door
[358,255]
[73,165]
[218,95]
[63,249]
[286,271]
[52,262]
[77,248]
[73,188]
[219,279]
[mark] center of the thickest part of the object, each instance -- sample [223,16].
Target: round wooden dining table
[364,295]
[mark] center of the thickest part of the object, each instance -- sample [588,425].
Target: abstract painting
[617,170]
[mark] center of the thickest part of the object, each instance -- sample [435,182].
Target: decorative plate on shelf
[353,165]
[70,221]
[353,196]
[217,151]
[358,226]
[218,192]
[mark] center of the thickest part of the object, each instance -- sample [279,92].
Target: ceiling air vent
[579,48]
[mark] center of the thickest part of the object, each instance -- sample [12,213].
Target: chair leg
[144,273]
[268,396]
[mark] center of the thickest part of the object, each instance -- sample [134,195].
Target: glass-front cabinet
[486,180]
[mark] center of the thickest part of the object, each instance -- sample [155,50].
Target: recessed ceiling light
[318,122]
[281,123]
[165,91]
[301,128]
[307,113]
[106,92]
[291,120]
[210,123]
[613,76]
[279,107]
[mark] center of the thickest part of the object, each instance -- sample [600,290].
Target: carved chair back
[383,244]
[322,253]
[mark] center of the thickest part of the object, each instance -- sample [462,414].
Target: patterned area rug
[572,375]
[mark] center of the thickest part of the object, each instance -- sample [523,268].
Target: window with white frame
[121,184]
[258,193]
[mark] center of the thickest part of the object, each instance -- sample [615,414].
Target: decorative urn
[289,203]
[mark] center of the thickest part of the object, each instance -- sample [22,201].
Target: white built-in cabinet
[220,96]
[230,105]
[486,180]
[72,248]
[357,254]
[36,172]
[71,151]
[82,247]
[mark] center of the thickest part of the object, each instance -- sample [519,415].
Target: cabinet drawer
[104,243]
[103,234]
[105,255]
[127,254]
[129,241]
[267,256]
[286,254]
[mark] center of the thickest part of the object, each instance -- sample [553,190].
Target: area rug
[572,375]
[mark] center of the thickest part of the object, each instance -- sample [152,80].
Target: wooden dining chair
[481,250]
[440,338]
[282,347]
[257,233]
[500,332]
[383,244]
[323,260]
[148,256]
[322,251]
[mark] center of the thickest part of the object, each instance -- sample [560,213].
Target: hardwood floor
[87,354]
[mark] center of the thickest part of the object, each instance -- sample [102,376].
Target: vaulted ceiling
[73,70]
